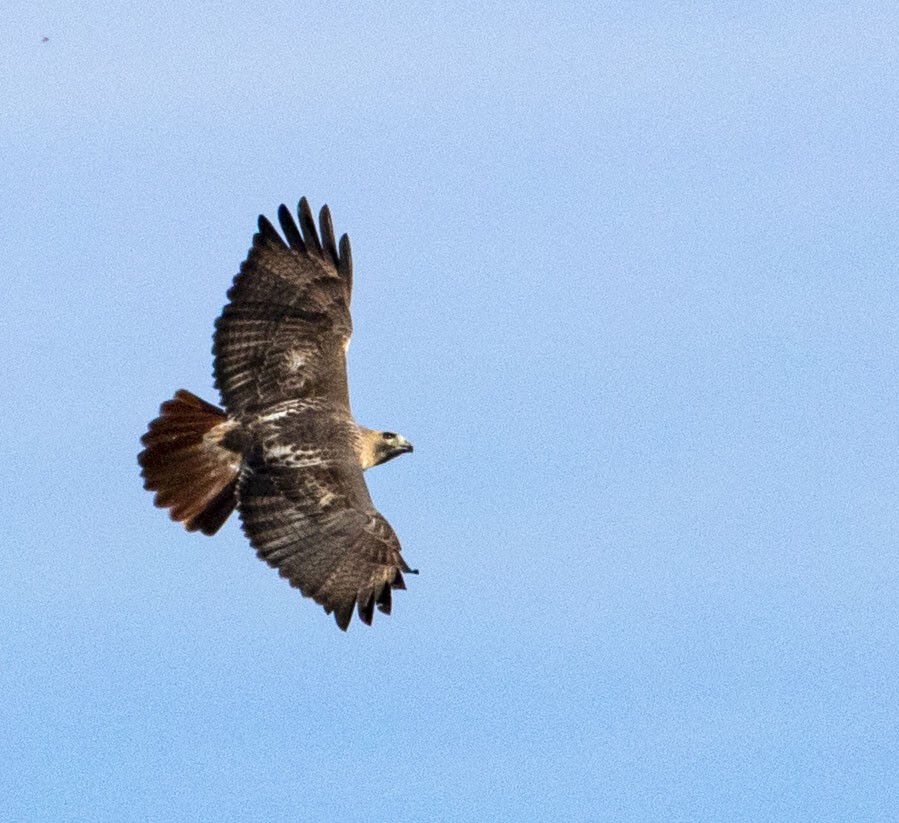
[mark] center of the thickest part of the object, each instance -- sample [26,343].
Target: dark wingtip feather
[367,608]
[289,227]
[385,600]
[267,233]
[307,224]
[343,615]
[345,264]
[329,239]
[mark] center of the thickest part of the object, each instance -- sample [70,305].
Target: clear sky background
[626,276]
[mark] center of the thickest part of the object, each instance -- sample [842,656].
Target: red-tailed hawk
[286,451]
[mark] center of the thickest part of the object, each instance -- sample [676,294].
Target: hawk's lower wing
[301,521]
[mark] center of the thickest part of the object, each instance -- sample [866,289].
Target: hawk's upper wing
[280,364]
[306,510]
[284,333]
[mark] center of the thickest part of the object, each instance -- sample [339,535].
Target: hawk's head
[379,447]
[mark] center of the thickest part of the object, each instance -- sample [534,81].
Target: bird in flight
[285,451]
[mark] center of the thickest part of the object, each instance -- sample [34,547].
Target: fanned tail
[186,463]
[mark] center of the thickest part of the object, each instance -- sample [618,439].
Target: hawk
[285,451]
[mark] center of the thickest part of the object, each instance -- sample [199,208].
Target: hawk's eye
[389,436]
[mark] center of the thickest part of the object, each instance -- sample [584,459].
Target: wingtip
[329,243]
[343,616]
[366,608]
[267,232]
[345,265]
[289,227]
[385,600]
[307,226]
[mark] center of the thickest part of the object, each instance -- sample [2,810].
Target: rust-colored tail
[186,464]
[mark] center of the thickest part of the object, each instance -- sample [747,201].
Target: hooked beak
[404,446]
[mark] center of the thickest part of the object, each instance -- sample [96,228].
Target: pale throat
[366,446]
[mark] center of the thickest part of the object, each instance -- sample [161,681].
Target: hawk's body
[287,451]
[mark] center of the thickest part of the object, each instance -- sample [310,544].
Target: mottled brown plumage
[287,451]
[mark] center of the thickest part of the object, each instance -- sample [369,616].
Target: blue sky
[626,274]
